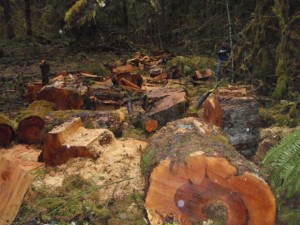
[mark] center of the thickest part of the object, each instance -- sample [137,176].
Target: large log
[235,110]
[164,105]
[32,91]
[63,97]
[31,122]
[194,174]
[14,183]
[111,120]
[7,130]
[72,140]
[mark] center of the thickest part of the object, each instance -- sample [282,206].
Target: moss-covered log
[194,174]
[31,122]
[7,130]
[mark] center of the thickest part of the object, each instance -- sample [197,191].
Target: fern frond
[283,162]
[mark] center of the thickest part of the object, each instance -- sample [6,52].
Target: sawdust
[119,160]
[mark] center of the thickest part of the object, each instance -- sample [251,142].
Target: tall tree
[8,19]
[28,18]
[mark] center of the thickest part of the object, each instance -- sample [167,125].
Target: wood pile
[194,174]
[235,110]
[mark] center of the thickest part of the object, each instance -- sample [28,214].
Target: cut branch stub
[196,176]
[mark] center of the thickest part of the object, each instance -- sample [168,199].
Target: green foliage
[282,164]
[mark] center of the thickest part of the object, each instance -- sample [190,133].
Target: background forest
[264,35]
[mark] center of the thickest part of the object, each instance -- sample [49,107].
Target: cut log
[111,120]
[118,79]
[63,98]
[129,84]
[123,69]
[72,140]
[32,91]
[14,183]
[164,105]
[194,174]
[31,122]
[236,112]
[90,76]
[151,125]
[25,156]
[7,130]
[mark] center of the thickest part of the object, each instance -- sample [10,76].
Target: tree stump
[236,112]
[72,140]
[32,91]
[31,122]
[7,131]
[164,105]
[63,98]
[111,120]
[14,183]
[194,174]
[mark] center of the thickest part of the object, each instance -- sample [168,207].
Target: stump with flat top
[72,140]
[235,110]
[193,174]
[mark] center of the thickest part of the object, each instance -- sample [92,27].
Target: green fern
[283,164]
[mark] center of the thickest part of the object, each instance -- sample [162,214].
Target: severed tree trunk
[14,183]
[71,140]
[31,122]
[194,174]
[63,98]
[235,110]
[7,131]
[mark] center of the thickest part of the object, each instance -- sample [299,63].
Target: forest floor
[109,190]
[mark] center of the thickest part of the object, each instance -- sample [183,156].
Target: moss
[290,216]
[281,85]
[147,162]
[37,108]
[5,120]
[264,63]
[189,64]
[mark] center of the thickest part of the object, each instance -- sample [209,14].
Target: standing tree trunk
[281,9]
[28,18]
[8,20]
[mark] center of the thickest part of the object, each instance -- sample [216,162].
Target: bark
[72,140]
[194,174]
[236,112]
[14,183]
[7,132]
